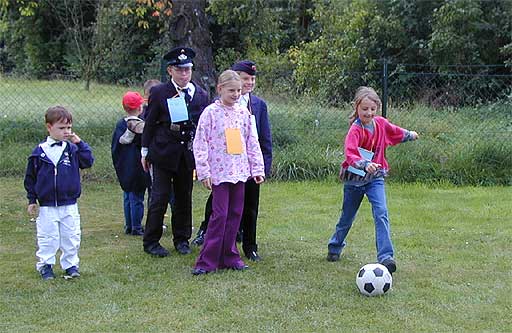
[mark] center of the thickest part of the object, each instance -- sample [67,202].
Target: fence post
[163,70]
[385,87]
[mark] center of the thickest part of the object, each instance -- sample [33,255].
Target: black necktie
[56,143]
[187,96]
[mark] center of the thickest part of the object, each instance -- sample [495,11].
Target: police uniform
[168,148]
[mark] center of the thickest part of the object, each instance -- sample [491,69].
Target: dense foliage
[319,41]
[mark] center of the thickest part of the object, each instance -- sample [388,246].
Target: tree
[188,26]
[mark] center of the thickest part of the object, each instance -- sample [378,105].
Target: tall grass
[461,146]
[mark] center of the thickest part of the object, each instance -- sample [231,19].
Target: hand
[207,182]
[414,135]
[372,167]
[32,209]
[259,179]
[74,138]
[145,164]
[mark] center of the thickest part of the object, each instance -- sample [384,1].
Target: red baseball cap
[132,100]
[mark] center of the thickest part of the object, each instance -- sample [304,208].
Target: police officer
[171,117]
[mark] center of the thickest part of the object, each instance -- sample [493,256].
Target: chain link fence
[462,113]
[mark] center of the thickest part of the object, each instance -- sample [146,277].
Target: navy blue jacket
[258,108]
[126,160]
[168,148]
[57,185]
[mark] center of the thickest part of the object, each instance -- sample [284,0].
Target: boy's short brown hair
[150,84]
[58,113]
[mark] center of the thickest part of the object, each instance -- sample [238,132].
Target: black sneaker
[156,250]
[183,248]
[333,257]
[199,240]
[253,256]
[390,264]
[47,272]
[137,233]
[72,272]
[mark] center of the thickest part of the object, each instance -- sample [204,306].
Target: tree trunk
[189,27]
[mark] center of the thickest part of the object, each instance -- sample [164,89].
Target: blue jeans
[352,197]
[133,210]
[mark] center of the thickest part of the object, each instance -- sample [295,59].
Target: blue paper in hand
[366,155]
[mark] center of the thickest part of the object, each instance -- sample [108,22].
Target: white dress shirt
[54,153]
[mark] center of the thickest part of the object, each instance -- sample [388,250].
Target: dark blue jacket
[57,185]
[168,149]
[126,160]
[258,108]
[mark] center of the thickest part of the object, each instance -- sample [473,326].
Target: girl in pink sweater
[363,172]
[227,153]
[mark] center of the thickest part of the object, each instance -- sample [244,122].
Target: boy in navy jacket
[53,180]
[126,159]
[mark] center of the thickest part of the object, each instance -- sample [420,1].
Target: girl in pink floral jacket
[227,153]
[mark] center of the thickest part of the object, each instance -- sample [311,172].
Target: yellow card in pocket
[233,141]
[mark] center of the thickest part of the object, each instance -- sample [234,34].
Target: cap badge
[182,57]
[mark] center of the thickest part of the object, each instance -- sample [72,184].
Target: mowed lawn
[453,250]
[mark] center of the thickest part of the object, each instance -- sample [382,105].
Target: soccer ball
[374,280]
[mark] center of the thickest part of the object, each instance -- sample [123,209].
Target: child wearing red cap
[126,159]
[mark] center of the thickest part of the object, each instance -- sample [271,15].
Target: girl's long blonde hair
[362,93]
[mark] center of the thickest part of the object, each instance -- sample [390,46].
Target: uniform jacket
[258,108]
[210,149]
[166,147]
[126,160]
[57,185]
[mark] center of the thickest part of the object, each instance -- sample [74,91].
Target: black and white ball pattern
[374,280]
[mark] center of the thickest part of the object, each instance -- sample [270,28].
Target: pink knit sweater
[384,134]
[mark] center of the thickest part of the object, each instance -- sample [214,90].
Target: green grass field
[452,248]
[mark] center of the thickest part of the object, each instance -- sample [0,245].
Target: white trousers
[58,228]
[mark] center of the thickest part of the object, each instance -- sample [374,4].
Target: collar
[245,99]
[191,88]
[132,118]
[50,140]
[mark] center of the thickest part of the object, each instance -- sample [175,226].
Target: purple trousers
[219,249]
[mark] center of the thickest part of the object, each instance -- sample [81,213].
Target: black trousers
[165,181]
[249,216]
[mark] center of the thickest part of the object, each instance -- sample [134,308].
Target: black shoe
[239,236]
[390,265]
[199,271]
[47,272]
[333,257]
[128,231]
[253,256]
[240,268]
[199,240]
[183,248]
[156,250]
[137,233]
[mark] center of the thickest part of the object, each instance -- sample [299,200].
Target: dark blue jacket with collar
[258,108]
[57,185]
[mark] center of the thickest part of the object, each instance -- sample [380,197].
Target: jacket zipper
[55,184]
